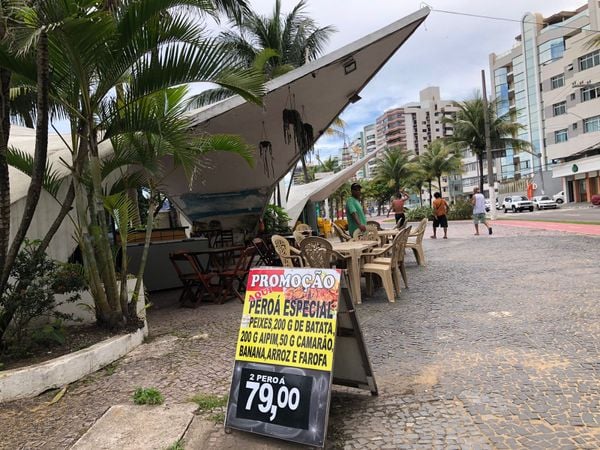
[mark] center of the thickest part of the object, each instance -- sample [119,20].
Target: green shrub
[30,295]
[418,213]
[147,396]
[460,210]
[276,220]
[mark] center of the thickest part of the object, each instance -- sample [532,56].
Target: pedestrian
[398,208]
[478,202]
[354,211]
[440,209]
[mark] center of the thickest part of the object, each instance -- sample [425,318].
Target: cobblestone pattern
[494,345]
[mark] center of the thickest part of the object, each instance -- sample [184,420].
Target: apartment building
[390,129]
[424,120]
[550,82]
[369,133]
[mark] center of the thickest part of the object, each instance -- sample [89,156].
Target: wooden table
[217,257]
[354,250]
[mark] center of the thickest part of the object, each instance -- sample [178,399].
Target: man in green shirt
[354,211]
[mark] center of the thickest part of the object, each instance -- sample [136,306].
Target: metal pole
[542,173]
[488,149]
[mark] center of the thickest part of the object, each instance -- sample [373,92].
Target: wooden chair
[224,239]
[369,235]
[237,274]
[266,254]
[287,254]
[383,271]
[195,283]
[375,223]
[344,237]
[399,245]
[417,244]
[318,253]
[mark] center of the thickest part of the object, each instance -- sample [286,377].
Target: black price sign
[270,397]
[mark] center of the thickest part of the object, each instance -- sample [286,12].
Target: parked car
[544,202]
[517,203]
[559,198]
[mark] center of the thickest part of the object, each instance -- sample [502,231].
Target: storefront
[580,176]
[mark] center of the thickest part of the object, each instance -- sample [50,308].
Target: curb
[33,380]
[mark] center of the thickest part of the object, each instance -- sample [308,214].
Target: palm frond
[23,161]
[208,97]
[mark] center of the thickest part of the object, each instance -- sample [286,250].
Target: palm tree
[417,179]
[41,148]
[438,160]
[295,37]
[329,165]
[272,44]
[133,50]
[469,131]
[138,157]
[392,168]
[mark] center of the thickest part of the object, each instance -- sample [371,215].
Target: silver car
[544,202]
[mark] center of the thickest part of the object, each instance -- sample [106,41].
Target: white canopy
[319,91]
[319,190]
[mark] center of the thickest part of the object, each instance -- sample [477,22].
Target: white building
[550,82]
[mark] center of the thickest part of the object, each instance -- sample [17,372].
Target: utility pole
[488,149]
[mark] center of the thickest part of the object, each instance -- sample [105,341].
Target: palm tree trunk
[140,275]
[305,170]
[136,221]
[4,180]
[480,163]
[40,155]
[64,210]
[429,181]
[5,76]
[439,180]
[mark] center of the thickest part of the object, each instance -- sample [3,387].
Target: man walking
[354,211]
[478,202]
[398,208]
[440,209]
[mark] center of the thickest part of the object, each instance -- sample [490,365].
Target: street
[565,213]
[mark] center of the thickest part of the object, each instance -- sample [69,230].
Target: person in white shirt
[478,202]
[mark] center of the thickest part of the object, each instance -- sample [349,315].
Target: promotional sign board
[284,358]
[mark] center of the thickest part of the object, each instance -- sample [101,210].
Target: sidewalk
[474,365]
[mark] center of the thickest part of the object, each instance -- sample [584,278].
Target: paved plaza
[495,345]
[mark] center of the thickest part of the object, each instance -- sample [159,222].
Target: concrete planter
[33,380]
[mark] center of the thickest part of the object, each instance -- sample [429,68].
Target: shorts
[479,218]
[440,221]
[400,219]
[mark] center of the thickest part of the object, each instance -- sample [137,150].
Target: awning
[319,91]
[319,190]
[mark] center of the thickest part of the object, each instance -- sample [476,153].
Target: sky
[447,50]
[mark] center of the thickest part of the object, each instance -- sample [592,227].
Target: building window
[559,108]
[590,60]
[557,81]
[560,136]
[590,93]
[591,124]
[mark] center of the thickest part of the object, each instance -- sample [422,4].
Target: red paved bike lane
[579,228]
